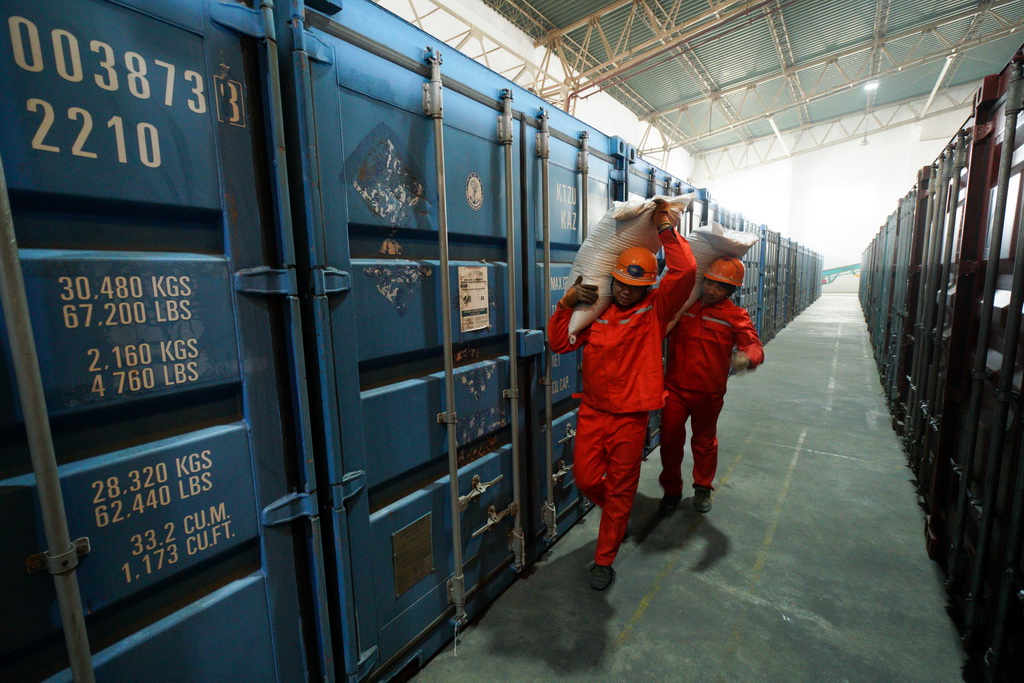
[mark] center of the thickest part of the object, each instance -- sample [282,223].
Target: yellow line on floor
[670,566]
[770,536]
[737,637]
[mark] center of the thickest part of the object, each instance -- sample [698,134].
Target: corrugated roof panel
[840,104]
[821,79]
[722,139]
[857,65]
[744,53]
[900,50]
[699,114]
[561,13]
[1013,12]
[760,128]
[787,120]
[955,31]
[906,15]
[976,63]
[667,84]
[928,45]
[907,84]
[612,25]
[817,28]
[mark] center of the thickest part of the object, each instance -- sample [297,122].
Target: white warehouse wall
[835,199]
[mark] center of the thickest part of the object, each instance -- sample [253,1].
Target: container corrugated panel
[950,375]
[371,217]
[911,228]
[135,149]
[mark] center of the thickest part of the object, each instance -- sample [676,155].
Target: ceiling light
[873,85]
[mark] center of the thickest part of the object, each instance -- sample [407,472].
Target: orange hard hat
[636,266]
[726,269]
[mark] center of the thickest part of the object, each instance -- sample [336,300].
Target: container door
[371,219]
[134,149]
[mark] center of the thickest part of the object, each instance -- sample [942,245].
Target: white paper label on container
[474,313]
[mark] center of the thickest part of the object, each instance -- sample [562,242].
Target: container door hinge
[290,507]
[238,18]
[58,564]
[351,484]
[330,281]
[264,280]
[316,50]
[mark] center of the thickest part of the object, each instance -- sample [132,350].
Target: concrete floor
[810,567]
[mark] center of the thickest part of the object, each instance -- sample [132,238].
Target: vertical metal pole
[505,136]
[61,554]
[550,515]
[584,167]
[1013,106]
[433,107]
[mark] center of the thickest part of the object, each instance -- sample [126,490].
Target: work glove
[664,213]
[740,362]
[579,293]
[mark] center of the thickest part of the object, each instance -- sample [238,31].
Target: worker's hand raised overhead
[664,215]
[579,293]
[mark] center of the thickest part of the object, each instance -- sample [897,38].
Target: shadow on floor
[656,534]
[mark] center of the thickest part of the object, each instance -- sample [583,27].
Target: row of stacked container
[288,271]
[942,289]
[782,277]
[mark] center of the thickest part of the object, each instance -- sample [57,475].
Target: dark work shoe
[601,576]
[701,498]
[668,505]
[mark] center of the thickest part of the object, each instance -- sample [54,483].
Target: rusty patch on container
[481,423]
[465,353]
[396,283]
[385,179]
[390,247]
[472,453]
[476,380]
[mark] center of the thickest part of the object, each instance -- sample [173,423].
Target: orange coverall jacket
[700,346]
[622,361]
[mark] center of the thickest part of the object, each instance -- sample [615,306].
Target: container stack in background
[942,289]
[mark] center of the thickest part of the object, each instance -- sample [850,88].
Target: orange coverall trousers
[611,444]
[703,408]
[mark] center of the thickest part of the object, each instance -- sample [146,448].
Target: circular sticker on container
[474,192]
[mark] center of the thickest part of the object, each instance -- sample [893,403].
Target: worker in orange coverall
[623,377]
[700,355]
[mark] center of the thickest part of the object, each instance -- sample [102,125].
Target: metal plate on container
[411,553]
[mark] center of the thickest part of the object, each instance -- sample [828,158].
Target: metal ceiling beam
[773,14]
[832,58]
[954,60]
[765,150]
[594,18]
[881,25]
[850,83]
[681,30]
